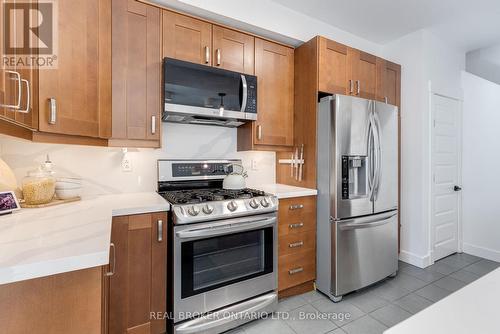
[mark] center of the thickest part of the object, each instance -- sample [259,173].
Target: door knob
[457,188]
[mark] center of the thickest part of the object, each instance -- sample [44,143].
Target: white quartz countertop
[73,236]
[286,191]
[472,309]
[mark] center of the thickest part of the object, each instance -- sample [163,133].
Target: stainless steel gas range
[223,248]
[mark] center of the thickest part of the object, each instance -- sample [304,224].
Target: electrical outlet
[126,163]
[254,165]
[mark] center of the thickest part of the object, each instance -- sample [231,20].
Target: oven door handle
[226,229]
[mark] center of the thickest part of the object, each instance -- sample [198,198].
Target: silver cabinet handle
[160,230]
[52,111]
[28,97]
[153,124]
[301,162]
[217,53]
[259,132]
[295,271]
[351,87]
[358,85]
[18,79]
[298,225]
[386,100]
[113,267]
[296,244]
[296,206]
[207,54]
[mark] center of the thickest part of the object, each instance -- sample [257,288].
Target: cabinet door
[13,91]
[388,82]
[333,67]
[186,38]
[363,69]
[138,285]
[275,94]
[80,86]
[233,50]
[136,71]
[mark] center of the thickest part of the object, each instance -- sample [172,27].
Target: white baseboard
[487,253]
[414,259]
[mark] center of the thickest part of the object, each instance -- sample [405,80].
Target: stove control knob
[264,202]
[208,209]
[254,204]
[193,211]
[232,206]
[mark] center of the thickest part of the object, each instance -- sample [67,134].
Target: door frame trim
[432,95]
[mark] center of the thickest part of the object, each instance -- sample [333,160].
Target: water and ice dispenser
[354,177]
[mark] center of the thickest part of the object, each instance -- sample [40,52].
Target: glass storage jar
[38,187]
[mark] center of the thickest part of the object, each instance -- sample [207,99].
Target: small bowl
[68,183]
[68,193]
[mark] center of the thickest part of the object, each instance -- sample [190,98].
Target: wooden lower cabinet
[58,304]
[296,245]
[138,286]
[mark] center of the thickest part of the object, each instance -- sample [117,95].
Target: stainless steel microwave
[200,94]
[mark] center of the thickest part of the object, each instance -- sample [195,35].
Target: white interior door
[446,169]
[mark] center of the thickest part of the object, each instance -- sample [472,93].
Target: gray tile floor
[376,308]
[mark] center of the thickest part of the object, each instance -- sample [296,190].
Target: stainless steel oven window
[210,263]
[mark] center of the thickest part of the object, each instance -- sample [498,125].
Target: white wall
[481,158]
[428,64]
[100,167]
[485,63]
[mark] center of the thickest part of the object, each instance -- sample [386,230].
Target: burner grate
[207,195]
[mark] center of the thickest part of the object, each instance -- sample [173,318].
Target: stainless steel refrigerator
[357,164]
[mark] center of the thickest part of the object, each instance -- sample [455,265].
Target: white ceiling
[468,24]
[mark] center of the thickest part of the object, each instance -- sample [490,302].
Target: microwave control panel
[251,106]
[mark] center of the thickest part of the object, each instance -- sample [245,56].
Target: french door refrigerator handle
[378,150]
[370,158]
[366,222]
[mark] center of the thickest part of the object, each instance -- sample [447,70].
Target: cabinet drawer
[297,215]
[295,269]
[297,242]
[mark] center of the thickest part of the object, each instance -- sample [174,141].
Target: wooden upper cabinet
[186,38]
[233,50]
[81,84]
[362,67]
[275,94]
[136,58]
[138,285]
[18,99]
[388,82]
[333,67]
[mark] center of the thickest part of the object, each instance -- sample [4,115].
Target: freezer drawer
[366,251]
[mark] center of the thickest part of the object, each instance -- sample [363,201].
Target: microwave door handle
[225,229]
[245,93]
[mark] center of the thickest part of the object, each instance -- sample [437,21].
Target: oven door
[221,263]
